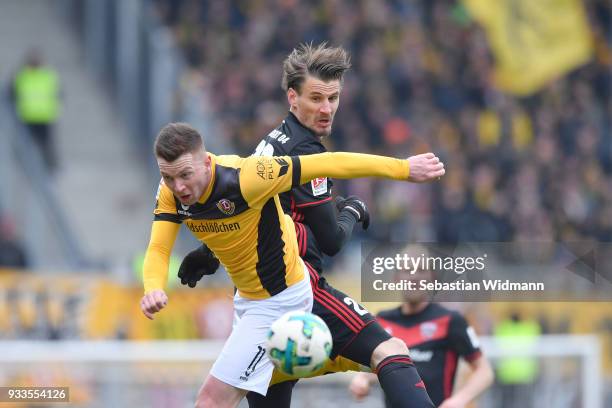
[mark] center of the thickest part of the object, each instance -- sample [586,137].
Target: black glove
[357,208]
[196,264]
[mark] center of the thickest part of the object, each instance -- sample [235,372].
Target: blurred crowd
[517,168]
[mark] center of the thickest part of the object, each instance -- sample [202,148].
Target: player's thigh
[348,321]
[242,363]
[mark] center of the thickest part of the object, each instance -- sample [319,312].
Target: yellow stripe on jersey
[239,216]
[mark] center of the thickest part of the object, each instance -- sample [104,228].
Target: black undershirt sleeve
[331,232]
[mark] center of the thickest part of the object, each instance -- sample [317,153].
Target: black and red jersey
[437,337]
[292,138]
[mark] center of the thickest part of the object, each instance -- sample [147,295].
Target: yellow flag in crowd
[533,41]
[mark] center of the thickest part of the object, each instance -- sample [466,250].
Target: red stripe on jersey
[310,204]
[299,232]
[334,305]
[304,240]
[434,329]
[450,364]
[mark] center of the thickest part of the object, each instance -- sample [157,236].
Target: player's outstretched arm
[263,177]
[427,167]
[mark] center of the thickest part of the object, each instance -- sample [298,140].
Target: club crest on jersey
[319,186]
[226,206]
[428,329]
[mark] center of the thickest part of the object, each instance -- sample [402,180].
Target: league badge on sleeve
[319,186]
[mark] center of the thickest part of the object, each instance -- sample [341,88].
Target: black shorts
[355,332]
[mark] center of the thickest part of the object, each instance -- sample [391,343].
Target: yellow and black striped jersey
[239,216]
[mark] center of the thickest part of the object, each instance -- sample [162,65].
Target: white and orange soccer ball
[299,343]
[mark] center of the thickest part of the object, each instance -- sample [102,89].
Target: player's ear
[292,96]
[206,159]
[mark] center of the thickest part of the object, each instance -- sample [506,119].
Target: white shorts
[243,362]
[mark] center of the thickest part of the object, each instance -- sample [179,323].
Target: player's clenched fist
[153,302]
[425,167]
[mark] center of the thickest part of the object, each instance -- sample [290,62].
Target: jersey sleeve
[351,165]
[463,338]
[165,205]
[315,192]
[157,257]
[263,177]
[166,225]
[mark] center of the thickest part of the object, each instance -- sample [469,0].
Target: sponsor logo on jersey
[226,206]
[265,169]
[421,356]
[214,227]
[428,329]
[319,186]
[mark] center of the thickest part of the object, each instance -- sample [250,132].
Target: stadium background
[514,96]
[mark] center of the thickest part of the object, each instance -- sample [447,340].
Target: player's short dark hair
[322,62]
[176,139]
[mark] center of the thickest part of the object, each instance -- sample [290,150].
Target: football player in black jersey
[312,79]
[437,338]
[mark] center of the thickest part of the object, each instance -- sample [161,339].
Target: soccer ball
[299,343]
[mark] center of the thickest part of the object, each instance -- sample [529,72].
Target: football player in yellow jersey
[231,204]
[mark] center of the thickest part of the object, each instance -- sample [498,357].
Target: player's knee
[393,346]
